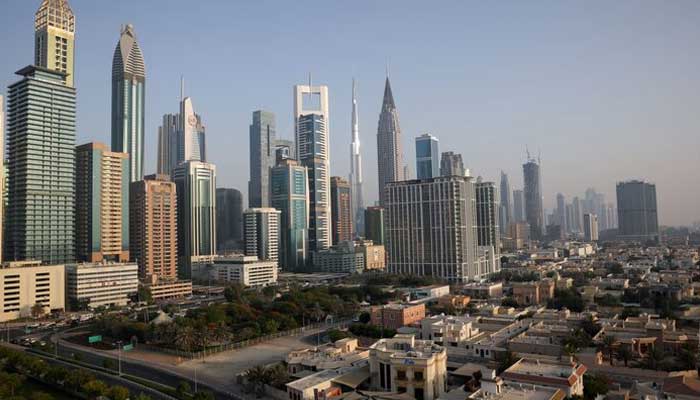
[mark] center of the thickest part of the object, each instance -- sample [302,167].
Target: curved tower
[389,155]
[358,202]
[128,101]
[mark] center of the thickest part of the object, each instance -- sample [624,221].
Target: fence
[195,355]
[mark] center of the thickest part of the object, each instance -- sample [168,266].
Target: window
[418,375]
[401,375]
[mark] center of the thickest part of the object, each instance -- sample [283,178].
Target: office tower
[262,233]
[612,216]
[518,206]
[262,157]
[506,211]
[389,155]
[358,200]
[636,210]
[153,227]
[54,35]
[427,163]
[451,164]
[129,101]
[181,137]
[487,224]
[532,191]
[229,220]
[341,210]
[93,285]
[196,214]
[289,193]
[431,228]
[41,161]
[285,147]
[374,224]
[590,227]
[311,136]
[3,173]
[577,214]
[560,213]
[101,204]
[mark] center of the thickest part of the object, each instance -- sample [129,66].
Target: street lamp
[119,352]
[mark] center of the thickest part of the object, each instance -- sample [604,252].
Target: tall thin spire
[389,154]
[182,88]
[358,203]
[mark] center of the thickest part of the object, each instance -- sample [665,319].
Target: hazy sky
[606,90]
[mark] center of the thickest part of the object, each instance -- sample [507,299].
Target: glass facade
[289,194]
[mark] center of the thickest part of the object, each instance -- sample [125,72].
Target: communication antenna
[527,152]
[182,88]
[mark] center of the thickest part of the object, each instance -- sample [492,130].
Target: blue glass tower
[427,157]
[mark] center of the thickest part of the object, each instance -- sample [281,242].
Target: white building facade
[101,284]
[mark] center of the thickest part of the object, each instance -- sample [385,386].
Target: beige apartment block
[26,284]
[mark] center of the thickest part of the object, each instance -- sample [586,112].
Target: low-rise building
[459,302]
[339,258]
[488,290]
[23,285]
[104,284]
[326,384]
[519,392]
[374,254]
[162,290]
[394,316]
[404,364]
[342,353]
[567,376]
[429,292]
[529,293]
[249,271]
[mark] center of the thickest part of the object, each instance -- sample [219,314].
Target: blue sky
[605,90]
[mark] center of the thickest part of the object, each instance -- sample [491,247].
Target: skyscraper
[487,224]
[181,138]
[311,135]
[506,207]
[560,213]
[637,212]
[532,190]
[54,35]
[129,101]
[101,204]
[590,227]
[442,243]
[262,233]
[196,213]
[41,161]
[577,215]
[262,157]
[2,173]
[427,163]
[358,200]
[374,224]
[153,227]
[518,206]
[389,155]
[341,210]
[289,185]
[229,219]
[451,164]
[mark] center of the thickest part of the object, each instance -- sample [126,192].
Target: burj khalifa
[358,204]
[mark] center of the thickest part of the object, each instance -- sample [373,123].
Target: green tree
[509,302]
[653,358]
[37,310]
[185,338]
[608,346]
[625,354]
[94,388]
[203,395]
[144,294]
[40,396]
[334,335]
[108,363]
[688,357]
[118,393]
[595,384]
[183,390]
[505,360]
[257,378]
[9,383]
[142,396]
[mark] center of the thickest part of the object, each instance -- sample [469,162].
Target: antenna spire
[182,87]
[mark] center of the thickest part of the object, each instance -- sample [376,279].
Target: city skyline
[632,112]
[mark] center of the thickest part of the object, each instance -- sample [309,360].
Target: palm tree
[688,356]
[571,350]
[257,377]
[625,354]
[653,358]
[185,338]
[609,346]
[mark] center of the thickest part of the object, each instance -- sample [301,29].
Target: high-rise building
[358,200]
[153,227]
[129,101]
[636,210]
[427,153]
[311,135]
[196,214]
[229,219]
[577,215]
[389,155]
[532,190]
[590,227]
[560,213]
[262,157]
[487,220]
[518,206]
[262,233]
[41,161]
[506,206]
[289,188]
[374,224]
[181,138]
[442,242]
[3,173]
[101,204]
[451,164]
[54,35]
[341,210]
